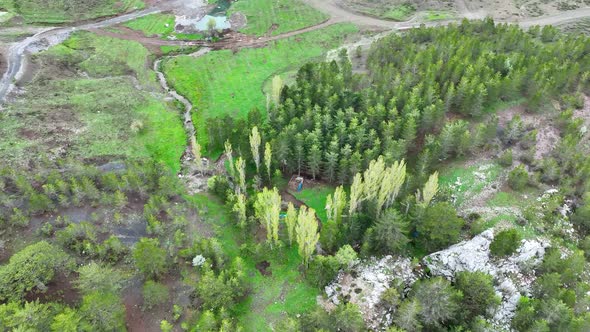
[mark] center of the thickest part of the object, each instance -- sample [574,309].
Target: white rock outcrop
[513,276]
[366,282]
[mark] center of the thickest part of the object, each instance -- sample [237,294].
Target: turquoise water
[221,8]
[221,23]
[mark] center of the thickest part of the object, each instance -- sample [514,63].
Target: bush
[154,293]
[439,227]
[518,178]
[149,258]
[505,158]
[505,242]
[94,277]
[31,269]
[103,311]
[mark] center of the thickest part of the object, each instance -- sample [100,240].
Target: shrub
[31,268]
[518,178]
[103,311]
[94,277]
[149,258]
[505,242]
[505,158]
[154,293]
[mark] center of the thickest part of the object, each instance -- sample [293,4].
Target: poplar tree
[230,158]
[267,208]
[291,222]
[241,169]
[356,193]
[267,158]
[255,141]
[335,206]
[307,233]
[277,86]
[240,209]
[430,189]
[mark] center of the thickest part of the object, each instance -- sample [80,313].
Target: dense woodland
[429,96]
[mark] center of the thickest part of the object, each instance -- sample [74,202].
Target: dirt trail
[45,39]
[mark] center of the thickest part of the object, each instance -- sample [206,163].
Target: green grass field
[289,15]
[221,82]
[60,11]
[464,180]
[155,24]
[284,291]
[315,198]
[91,118]
[400,13]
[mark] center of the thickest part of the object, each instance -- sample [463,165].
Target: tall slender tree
[255,141]
[291,222]
[267,158]
[267,208]
[307,233]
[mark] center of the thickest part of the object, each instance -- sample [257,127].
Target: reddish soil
[61,290]
[263,267]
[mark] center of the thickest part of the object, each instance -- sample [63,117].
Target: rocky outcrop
[513,276]
[366,282]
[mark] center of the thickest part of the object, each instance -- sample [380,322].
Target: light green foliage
[103,311]
[155,24]
[518,178]
[306,233]
[30,316]
[255,141]
[335,207]
[68,321]
[291,222]
[267,208]
[346,256]
[241,171]
[222,290]
[94,277]
[223,83]
[58,11]
[316,198]
[289,15]
[154,293]
[240,209]
[268,159]
[32,268]
[430,189]
[149,258]
[505,242]
[402,12]
[95,115]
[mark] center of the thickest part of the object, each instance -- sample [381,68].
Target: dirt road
[51,36]
[339,14]
[17,53]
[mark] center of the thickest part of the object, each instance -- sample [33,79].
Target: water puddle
[221,23]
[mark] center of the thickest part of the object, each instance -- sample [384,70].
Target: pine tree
[307,233]
[314,160]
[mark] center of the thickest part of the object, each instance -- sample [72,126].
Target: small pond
[221,23]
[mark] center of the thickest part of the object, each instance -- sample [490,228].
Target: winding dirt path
[51,36]
[17,53]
